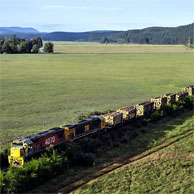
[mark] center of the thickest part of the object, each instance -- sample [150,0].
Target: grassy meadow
[166,168]
[39,91]
[92,47]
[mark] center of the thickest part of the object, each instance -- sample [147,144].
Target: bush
[189,102]
[33,172]
[2,181]
[48,47]
[4,158]
[157,115]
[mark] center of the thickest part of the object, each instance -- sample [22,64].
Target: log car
[190,90]
[113,119]
[159,102]
[181,95]
[171,98]
[144,108]
[129,112]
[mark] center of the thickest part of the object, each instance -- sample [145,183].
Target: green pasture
[169,170]
[40,91]
[92,47]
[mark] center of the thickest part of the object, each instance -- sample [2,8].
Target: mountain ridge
[149,35]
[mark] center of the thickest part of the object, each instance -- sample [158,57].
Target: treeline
[154,35]
[20,45]
[81,153]
[151,35]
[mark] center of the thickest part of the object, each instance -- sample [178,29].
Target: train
[29,146]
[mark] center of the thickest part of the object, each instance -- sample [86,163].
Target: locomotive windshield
[17,145]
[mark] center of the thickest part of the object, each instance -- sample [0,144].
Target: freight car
[159,102]
[129,112]
[189,89]
[181,95]
[113,119]
[25,148]
[171,98]
[144,108]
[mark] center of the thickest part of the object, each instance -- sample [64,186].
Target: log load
[171,98]
[181,95]
[144,108]
[113,119]
[128,112]
[190,90]
[159,102]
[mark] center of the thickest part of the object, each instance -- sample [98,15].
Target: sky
[89,15]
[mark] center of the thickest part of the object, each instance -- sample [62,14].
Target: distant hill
[155,35]
[13,30]
[151,35]
[78,36]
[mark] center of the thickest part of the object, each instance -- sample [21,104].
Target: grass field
[169,170]
[91,48]
[46,90]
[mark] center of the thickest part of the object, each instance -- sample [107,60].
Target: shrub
[2,181]
[48,47]
[189,102]
[157,115]
[4,158]
[21,179]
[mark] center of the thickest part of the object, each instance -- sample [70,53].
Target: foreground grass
[169,141]
[43,91]
[170,170]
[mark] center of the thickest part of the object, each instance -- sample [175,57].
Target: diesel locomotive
[29,146]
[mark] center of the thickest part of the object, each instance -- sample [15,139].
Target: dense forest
[151,35]
[155,35]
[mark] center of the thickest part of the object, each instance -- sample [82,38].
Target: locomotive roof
[44,133]
[26,140]
[82,122]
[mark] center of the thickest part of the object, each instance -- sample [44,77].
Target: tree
[105,40]
[188,42]
[1,45]
[48,47]
[37,41]
[9,47]
[29,46]
[35,48]
[15,40]
[23,47]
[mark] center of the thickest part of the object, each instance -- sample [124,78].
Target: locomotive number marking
[50,140]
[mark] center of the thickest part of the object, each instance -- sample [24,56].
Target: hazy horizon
[88,30]
[85,15]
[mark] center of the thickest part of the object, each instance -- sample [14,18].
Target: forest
[151,35]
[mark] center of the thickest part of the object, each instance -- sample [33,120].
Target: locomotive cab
[18,152]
